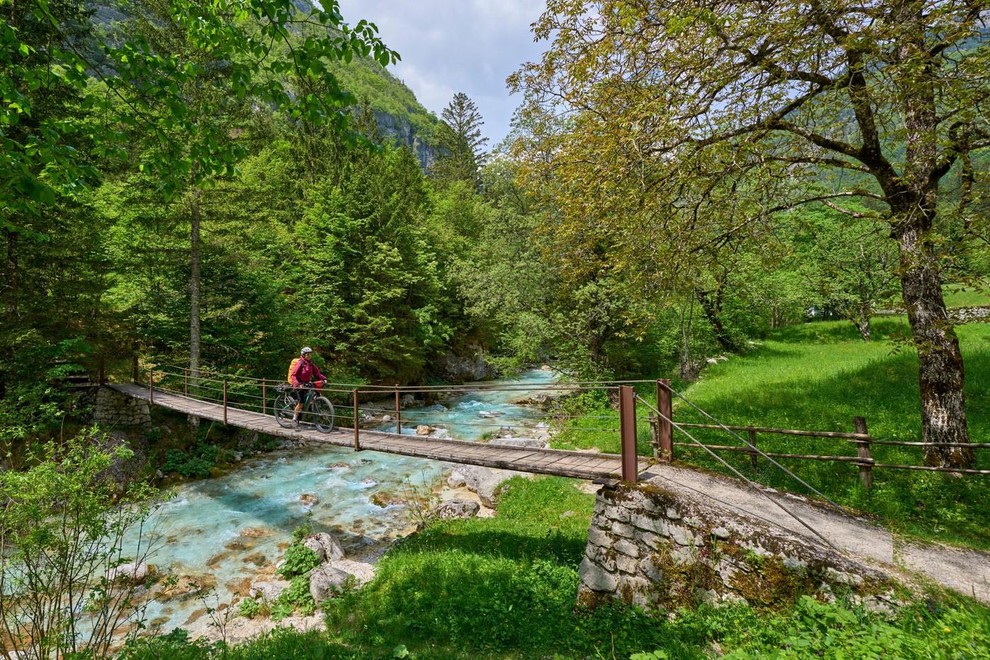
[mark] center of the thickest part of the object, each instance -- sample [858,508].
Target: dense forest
[212,186]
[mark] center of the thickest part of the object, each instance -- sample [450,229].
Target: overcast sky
[450,46]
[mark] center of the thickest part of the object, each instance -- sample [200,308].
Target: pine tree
[461,141]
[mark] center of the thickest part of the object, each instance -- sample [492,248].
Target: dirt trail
[965,571]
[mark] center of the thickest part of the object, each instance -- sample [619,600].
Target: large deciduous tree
[674,96]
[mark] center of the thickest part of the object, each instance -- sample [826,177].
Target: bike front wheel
[323,415]
[284,408]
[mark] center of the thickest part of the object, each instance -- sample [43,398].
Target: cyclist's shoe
[295,423]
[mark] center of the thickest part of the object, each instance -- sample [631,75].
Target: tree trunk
[195,284]
[862,321]
[940,363]
[712,307]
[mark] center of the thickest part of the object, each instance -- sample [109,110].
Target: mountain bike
[317,409]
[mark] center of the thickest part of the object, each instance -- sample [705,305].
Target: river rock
[326,546]
[268,590]
[458,508]
[424,429]
[187,586]
[326,581]
[309,500]
[486,482]
[133,573]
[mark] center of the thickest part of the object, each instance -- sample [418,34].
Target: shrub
[62,530]
[299,560]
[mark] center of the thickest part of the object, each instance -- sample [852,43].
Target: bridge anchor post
[627,432]
[665,429]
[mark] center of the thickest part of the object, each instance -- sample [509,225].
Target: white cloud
[450,46]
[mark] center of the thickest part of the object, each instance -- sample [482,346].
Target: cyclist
[304,374]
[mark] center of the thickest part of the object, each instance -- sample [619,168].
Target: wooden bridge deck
[580,465]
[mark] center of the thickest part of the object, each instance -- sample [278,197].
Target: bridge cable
[838,507]
[753,485]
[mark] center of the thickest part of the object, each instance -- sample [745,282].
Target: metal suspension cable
[841,509]
[752,484]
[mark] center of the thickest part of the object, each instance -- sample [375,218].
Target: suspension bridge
[247,403]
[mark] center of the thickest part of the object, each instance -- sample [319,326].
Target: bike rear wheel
[284,408]
[323,414]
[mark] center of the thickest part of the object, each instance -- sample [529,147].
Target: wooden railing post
[264,396]
[151,385]
[863,453]
[134,368]
[357,438]
[398,413]
[185,380]
[752,444]
[665,430]
[225,402]
[627,432]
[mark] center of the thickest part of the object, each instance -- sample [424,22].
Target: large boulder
[326,581]
[486,482]
[326,547]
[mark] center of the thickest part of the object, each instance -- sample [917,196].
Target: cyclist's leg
[299,393]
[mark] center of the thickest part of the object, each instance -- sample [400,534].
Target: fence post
[627,431]
[264,396]
[151,384]
[665,429]
[398,419]
[863,452]
[185,380]
[134,368]
[357,439]
[752,443]
[225,402]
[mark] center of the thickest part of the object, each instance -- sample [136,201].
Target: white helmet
[305,350]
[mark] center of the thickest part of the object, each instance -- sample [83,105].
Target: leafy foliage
[62,527]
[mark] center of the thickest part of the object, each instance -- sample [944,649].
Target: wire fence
[857,447]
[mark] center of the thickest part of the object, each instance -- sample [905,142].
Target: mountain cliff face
[400,116]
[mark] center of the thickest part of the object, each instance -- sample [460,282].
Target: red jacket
[306,372]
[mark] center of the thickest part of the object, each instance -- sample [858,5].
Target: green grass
[819,376]
[957,295]
[506,587]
